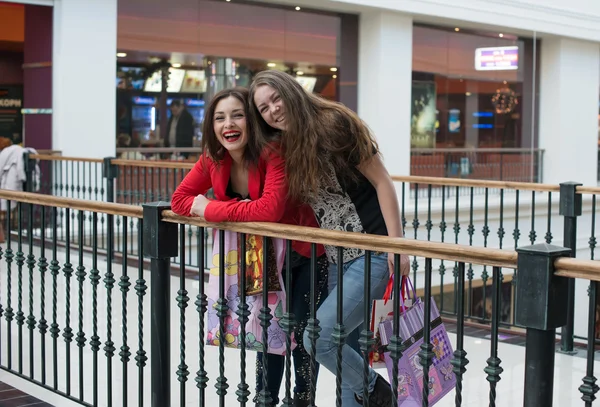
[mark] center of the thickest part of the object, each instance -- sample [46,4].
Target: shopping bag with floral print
[231,324]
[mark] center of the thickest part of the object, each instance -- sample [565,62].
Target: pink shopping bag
[276,300]
[410,372]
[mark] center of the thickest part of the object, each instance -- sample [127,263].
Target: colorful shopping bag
[410,371]
[276,301]
[382,310]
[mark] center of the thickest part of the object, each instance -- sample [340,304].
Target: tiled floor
[11,397]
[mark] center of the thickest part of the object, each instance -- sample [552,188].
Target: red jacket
[267,190]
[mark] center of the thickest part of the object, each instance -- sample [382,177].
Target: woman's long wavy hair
[211,146]
[319,133]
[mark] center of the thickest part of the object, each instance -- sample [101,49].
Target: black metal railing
[498,214]
[70,316]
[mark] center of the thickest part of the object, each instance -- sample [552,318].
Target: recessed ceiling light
[298,8]
[299,73]
[505,82]
[210,62]
[228,0]
[121,54]
[468,93]
[334,69]
[176,65]
[500,35]
[271,64]
[237,77]
[457,29]
[334,76]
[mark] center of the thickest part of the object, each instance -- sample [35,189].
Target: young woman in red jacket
[249,184]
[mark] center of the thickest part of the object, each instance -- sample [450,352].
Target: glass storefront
[473,99]
[230,43]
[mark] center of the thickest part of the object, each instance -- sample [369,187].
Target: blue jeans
[353,312]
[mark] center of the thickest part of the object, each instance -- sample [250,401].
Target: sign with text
[11,119]
[497,58]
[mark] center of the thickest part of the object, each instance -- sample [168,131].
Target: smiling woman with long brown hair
[333,163]
[249,185]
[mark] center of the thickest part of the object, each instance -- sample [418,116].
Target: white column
[569,87]
[84,69]
[384,84]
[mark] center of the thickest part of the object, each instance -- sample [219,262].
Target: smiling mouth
[281,119]
[231,137]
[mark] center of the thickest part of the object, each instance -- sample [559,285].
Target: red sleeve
[196,182]
[270,207]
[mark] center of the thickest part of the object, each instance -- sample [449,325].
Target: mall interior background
[457,100]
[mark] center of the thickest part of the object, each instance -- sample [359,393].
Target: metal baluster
[20,261]
[493,368]
[222,308]
[109,281]
[426,353]
[201,306]
[443,227]
[265,321]
[80,338]
[182,303]
[95,339]
[339,334]
[415,224]
[68,272]
[243,312]
[471,232]
[592,242]
[532,232]
[124,284]
[54,270]
[313,323]
[43,266]
[367,341]
[31,266]
[429,223]
[396,346]
[460,361]
[589,388]
[9,256]
[456,229]
[549,230]
[288,322]
[140,289]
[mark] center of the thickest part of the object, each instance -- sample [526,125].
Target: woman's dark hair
[211,146]
[320,133]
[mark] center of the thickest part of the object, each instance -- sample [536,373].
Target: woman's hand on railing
[199,205]
[404,264]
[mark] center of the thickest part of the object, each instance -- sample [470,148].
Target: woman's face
[270,106]
[229,124]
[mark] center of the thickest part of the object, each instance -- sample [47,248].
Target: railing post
[542,300]
[570,209]
[29,165]
[160,244]
[110,172]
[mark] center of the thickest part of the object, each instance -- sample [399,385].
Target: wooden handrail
[457,182]
[177,165]
[442,251]
[132,211]
[577,268]
[61,158]
[587,190]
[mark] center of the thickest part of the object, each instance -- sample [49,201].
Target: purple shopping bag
[410,371]
[254,330]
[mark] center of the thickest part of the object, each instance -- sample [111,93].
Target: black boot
[381,396]
[301,401]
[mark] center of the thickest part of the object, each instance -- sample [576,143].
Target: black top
[348,204]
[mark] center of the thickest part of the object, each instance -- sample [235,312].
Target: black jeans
[300,292]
